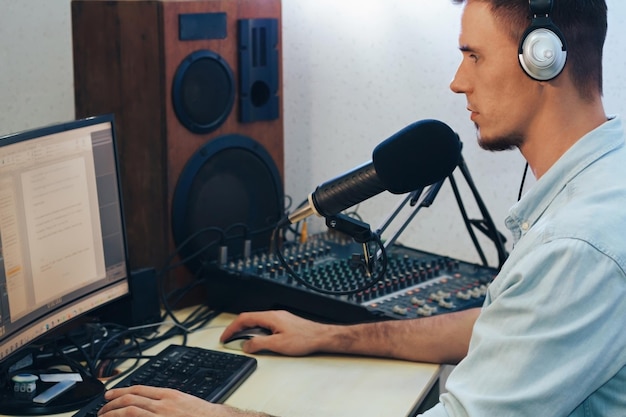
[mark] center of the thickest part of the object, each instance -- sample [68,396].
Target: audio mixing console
[416,283]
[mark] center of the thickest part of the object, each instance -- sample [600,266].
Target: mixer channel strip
[440,295]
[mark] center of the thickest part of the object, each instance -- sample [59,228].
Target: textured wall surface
[355,72]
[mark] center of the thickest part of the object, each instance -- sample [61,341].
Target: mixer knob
[402,281]
[437,296]
[453,265]
[464,295]
[423,274]
[425,311]
[399,310]
[475,292]
[374,291]
[418,301]
[444,294]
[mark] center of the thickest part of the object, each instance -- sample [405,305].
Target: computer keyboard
[208,374]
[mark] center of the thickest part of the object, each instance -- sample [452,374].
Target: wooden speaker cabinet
[179,76]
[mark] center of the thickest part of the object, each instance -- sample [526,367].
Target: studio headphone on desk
[542,49]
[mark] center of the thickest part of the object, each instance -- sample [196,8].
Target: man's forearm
[438,339]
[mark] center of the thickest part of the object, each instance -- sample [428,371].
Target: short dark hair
[583,24]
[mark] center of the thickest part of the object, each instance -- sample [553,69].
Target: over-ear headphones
[542,49]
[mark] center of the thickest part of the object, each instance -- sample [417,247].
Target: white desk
[323,385]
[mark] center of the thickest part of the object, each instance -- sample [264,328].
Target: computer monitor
[62,236]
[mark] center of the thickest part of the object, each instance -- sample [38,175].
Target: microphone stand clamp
[360,232]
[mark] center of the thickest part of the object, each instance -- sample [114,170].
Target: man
[549,340]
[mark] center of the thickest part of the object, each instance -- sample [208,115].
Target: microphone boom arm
[426,201]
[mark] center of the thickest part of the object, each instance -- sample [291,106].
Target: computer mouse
[236,340]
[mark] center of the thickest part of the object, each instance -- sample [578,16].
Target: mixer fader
[416,283]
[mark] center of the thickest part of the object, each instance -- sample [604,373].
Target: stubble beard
[500,143]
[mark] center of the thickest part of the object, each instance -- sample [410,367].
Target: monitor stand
[77,396]
[37,361]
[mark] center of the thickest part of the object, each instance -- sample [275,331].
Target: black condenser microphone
[419,155]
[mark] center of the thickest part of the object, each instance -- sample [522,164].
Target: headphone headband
[540,7]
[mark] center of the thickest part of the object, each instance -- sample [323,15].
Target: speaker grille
[203,91]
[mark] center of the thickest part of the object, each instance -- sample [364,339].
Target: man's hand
[142,400]
[291,335]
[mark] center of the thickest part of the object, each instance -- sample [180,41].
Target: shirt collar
[588,149]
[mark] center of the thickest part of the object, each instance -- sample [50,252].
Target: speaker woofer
[230,190]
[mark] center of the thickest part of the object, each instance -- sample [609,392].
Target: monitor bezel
[70,310]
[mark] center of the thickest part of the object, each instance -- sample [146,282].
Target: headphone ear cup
[542,54]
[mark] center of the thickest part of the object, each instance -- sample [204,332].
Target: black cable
[521,186]
[108,366]
[163,273]
[132,342]
[237,226]
[368,284]
[90,368]
[73,364]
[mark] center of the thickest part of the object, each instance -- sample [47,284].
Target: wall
[355,72]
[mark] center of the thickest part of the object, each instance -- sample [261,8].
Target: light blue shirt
[551,338]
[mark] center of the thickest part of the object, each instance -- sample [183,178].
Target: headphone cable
[521,186]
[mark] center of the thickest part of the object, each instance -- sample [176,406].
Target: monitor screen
[63,249]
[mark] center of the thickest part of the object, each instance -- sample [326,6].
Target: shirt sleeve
[550,334]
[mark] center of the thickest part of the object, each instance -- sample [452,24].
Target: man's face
[501,98]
